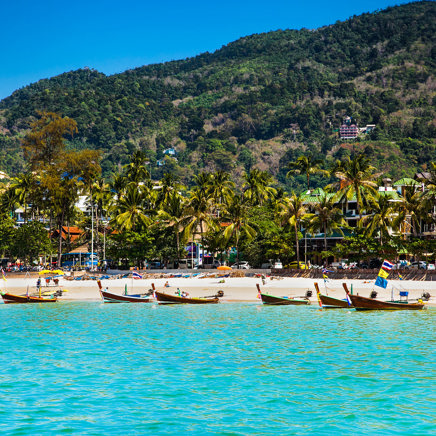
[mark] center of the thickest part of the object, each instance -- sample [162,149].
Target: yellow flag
[382,273]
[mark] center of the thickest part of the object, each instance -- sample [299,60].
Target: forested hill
[260,101]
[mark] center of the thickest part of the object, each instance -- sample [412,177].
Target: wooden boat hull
[364,303]
[175,299]
[333,302]
[330,302]
[108,297]
[24,299]
[280,301]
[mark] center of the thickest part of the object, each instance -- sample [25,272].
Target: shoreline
[236,289]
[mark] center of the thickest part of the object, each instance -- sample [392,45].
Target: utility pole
[92,235]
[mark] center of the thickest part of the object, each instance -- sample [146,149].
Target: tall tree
[198,212]
[256,187]
[327,217]
[44,145]
[411,212]
[136,170]
[381,218]
[59,169]
[356,179]
[292,210]
[306,165]
[237,214]
[24,186]
[173,213]
[130,211]
[221,188]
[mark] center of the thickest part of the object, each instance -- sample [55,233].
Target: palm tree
[221,188]
[256,189]
[381,219]
[237,214]
[103,200]
[198,212]
[136,170]
[203,182]
[327,217]
[306,165]
[130,211]
[118,184]
[9,201]
[292,210]
[429,195]
[411,211]
[356,177]
[62,195]
[168,185]
[24,186]
[173,212]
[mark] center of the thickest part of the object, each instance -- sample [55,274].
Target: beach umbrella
[224,268]
[47,271]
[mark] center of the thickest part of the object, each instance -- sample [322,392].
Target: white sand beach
[235,288]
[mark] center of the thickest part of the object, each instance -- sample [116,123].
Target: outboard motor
[220,294]
[308,293]
[373,294]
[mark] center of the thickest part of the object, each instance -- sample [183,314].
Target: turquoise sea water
[227,369]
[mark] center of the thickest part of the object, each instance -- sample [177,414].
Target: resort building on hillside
[170,151]
[348,131]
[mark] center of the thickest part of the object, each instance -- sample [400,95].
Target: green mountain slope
[259,101]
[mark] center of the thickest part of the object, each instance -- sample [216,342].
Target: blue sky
[44,38]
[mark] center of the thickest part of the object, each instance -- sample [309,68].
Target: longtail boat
[14,299]
[281,301]
[163,298]
[364,303]
[109,297]
[327,302]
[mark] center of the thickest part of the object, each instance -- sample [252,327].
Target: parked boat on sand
[282,301]
[14,299]
[109,297]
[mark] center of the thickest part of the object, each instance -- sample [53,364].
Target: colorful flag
[136,275]
[380,281]
[326,271]
[387,265]
[325,277]
[3,275]
[400,276]
[382,273]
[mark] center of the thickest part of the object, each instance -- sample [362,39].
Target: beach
[236,289]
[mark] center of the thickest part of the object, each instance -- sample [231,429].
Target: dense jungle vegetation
[259,102]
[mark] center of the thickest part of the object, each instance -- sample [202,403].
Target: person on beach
[167,285]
